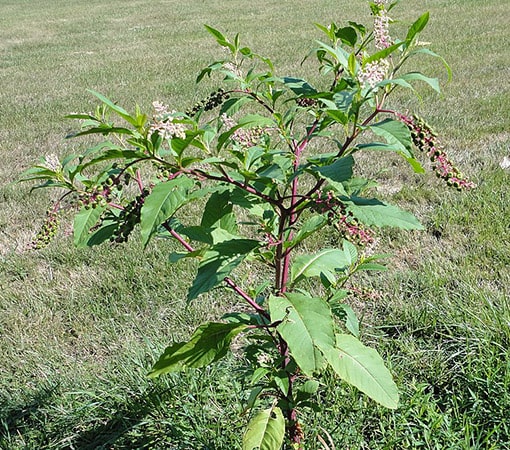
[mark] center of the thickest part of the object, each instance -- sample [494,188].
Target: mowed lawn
[79,328]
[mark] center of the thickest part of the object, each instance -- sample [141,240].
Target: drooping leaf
[209,343]
[83,222]
[164,200]
[373,212]
[328,260]
[418,76]
[307,325]
[364,368]
[396,134]
[265,431]
[218,262]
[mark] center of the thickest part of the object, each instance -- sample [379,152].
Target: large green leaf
[218,262]
[373,212]
[364,368]
[83,222]
[209,343]
[326,261]
[306,325]
[218,212]
[265,431]
[164,200]
[396,134]
[340,170]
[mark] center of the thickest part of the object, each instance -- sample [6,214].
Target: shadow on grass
[134,422]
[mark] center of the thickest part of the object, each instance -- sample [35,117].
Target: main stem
[288,218]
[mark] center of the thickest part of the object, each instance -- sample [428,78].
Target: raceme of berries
[342,219]
[48,230]
[129,217]
[426,140]
[214,100]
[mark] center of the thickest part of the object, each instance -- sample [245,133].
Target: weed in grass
[42,82]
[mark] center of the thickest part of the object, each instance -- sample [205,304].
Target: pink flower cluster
[373,73]
[425,139]
[381,30]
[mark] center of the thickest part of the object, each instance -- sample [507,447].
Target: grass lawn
[79,328]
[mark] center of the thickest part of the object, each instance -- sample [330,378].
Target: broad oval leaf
[373,212]
[327,260]
[265,431]
[164,200]
[218,262]
[396,134]
[364,368]
[83,222]
[307,326]
[209,343]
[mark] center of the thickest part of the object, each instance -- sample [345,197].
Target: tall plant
[270,158]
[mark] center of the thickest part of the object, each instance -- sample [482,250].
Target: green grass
[80,328]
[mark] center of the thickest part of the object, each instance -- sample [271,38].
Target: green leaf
[338,53]
[339,171]
[164,200]
[396,134]
[347,35]
[364,368]
[328,260]
[345,312]
[350,252]
[220,38]
[233,105]
[218,262]
[265,431]
[417,27]
[208,344]
[374,212]
[218,213]
[413,76]
[83,222]
[429,52]
[307,325]
[119,110]
[299,86]
[308,228]
[381,54]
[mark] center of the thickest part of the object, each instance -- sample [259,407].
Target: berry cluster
[48,230]
[342,219]
[305,102]
[425,139]
[212,101]
[102,194]
[129,217]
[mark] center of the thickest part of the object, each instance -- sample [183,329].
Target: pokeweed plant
[270,160]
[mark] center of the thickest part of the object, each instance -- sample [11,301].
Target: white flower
[373,73]
[52,162]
